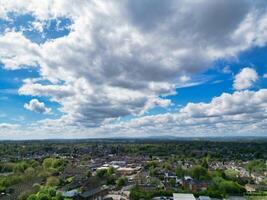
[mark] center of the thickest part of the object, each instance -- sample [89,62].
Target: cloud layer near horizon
[121,57]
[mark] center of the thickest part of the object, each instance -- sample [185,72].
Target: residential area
[127,170]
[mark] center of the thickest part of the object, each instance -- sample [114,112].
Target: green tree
[121,181]
[173,182]
[200,173]
[137,194]
[36,187]
[46,193]
[52,181]
[110,171]
[101,173]
[24,195]
[48,163]
[53,163]
[111,180]
[88,174]
[255,165]
[152,171]
[205,163]
[226,187]
[32,197]
[180,172]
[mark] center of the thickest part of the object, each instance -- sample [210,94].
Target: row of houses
[187,182]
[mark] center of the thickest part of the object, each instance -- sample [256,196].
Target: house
[194,185]
[182,196]
[126,171]
[171,176]
[119,163]
[70,194]
[198,185]
[204,198]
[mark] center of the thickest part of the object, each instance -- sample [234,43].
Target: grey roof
[204,198]
[182,196]
[71,193]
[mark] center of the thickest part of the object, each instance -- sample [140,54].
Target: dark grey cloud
[149,15]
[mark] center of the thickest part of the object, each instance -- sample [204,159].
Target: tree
[101,173]
[172,182]
[21,167]
[52,181]
[204,163]
[48,163]
[231,174]
[121,181]
[200,173]
[46,193]
[111,180]
[110,171]
[43,196]
[32,197]
[255,165]
[226,187]
[53,163]
[152,171]
[88,174]
[166,166]
[36,187]
[151,164]
[29,171]
[24,195]
[179,172]
[136,194]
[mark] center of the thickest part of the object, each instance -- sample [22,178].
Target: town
[133,169]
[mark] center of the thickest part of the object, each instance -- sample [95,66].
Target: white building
[181,196]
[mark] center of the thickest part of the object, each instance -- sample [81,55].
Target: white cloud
[237,113]
[238,103]
[227,70]
[120,57]
[8,126]
[18,52]
[240,113]
[36,106]
[245,79]
[184,79]
[243,112]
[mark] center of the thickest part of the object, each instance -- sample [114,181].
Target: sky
[142,68]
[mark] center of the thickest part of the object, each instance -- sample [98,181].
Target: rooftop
[181,196]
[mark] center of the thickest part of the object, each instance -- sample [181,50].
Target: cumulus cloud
[18,52]
[240,112]
[37,106]
[245,79]
[120,57]
[238,103]
[8,126]
[243,112]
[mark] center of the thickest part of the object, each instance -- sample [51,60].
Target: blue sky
[99,69]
